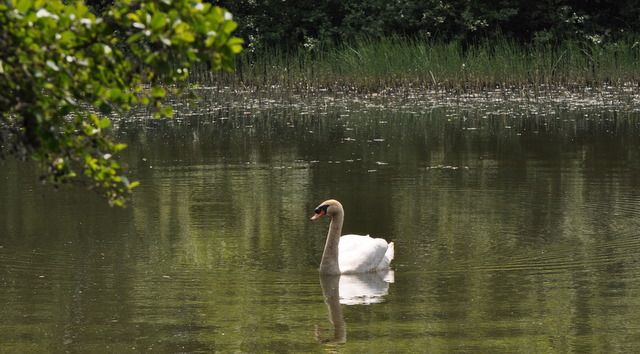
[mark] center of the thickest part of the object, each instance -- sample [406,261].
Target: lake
[515,217]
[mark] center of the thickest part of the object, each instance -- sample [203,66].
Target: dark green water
[516,223]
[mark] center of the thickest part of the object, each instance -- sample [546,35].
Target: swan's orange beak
[318,214]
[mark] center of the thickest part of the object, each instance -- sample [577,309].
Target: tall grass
[396,62]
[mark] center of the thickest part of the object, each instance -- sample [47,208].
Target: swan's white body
[363,254]
[350,254]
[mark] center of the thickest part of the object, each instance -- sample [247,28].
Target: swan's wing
[361,254]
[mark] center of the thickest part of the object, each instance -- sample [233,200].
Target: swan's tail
[390,251]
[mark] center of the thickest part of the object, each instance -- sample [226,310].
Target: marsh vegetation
[374,65]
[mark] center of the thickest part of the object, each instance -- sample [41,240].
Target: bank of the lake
[398,62]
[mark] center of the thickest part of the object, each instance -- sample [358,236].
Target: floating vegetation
[448,167]
[294,108]
[366,131]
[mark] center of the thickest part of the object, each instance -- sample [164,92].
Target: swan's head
[328,207]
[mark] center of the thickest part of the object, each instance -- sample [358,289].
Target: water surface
[515,221]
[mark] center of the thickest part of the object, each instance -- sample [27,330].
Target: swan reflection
[353,289]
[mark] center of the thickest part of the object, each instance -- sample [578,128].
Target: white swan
[350,254]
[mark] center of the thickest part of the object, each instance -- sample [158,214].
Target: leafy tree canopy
[267,24]
[63,69]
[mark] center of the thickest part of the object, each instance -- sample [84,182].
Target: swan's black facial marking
[322,210]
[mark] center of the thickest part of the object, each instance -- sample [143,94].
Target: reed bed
[395,63]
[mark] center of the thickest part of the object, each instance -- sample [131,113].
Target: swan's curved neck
[329,263]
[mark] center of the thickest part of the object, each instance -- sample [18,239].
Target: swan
[350,254]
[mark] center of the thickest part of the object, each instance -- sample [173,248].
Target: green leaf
[133,17]
[235,41]
[167,111]
[236,48]
[119,147]
[24,5]
[135,37]
[158,21]
[158,91]
[186,36]
[229,26]
[115,93]
[104,123]
[67,36]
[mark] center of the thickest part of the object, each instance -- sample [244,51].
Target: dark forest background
[288,24]
[278,23]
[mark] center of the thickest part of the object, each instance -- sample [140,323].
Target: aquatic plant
[398,62]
